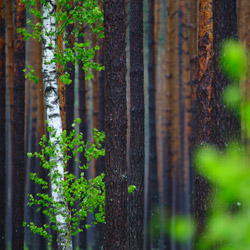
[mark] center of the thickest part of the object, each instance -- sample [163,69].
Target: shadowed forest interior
[160,78]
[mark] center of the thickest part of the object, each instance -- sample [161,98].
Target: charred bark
[115,125]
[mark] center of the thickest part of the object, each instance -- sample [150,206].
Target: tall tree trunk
[152,181]
[2,123]
[40,119]
[217,21]
[18,130]
[136,172]
[51,99]
[69,91]
[83,130]
[225,27]
[162,123]
[178,166]
[204,100]
[115,125]
[10,53]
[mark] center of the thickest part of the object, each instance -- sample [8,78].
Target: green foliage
[179,228]
[228,171]
[80,196]
[131,189]
[233,59]
[86,17]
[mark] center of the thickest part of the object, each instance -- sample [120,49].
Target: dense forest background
[164,99]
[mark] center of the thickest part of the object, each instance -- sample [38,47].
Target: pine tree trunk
[18,130]
[51,99]
[153,161]
[136,177]
[83,130]
[10,54]
[115,125]
[178,149]
[2,123]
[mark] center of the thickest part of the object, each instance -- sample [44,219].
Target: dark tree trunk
[83,130]
[69,92]
[115,125]
[204,101]
[137,155]
[217,21]
[100,163]
[18,130]
[153,198]
[225,27]
[2,123]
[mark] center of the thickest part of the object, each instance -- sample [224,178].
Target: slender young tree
[115,125]
[53,116]
[136,172]
[2,123]
[18,130]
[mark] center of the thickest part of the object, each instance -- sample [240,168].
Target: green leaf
[131,189]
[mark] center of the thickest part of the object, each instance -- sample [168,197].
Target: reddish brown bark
[115,126]
[216,125]
[18,130]
[2,123]
[204,100]
[178,114]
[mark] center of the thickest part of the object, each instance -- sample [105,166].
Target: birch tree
[51,100]
[48,31]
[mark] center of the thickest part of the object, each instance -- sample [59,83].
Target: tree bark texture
[83,130]
[137,155]
[18,176]
[243,15]
[69,90]
[51,100]
[152,171]
[217,21]
[204,101]
[2,123]
[178,116]
[10,54]
[115,125]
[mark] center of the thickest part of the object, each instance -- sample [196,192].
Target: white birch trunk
[51,97]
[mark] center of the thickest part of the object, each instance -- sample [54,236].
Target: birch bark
[51,100]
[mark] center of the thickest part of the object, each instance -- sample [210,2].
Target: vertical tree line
[2,123]
[116,231]
[176,86]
